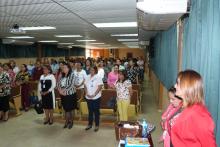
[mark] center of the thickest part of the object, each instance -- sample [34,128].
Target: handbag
[112,102]
[38,107]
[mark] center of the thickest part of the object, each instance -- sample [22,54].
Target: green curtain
[164,62]
[201,51]
[77,51]
[53,51]
[17,51]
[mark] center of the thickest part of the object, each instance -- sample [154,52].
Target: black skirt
[47,101]
[4,103]
[69,102]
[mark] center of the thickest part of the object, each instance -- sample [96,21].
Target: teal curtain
[201,51]
[17,51]
[53,51]
[164,62]
[77,51]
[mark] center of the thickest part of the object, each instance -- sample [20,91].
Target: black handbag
[112,102]
[38,107]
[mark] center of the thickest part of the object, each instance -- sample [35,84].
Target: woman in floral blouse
[124,92]
[133,71]
[22,78]
[11,73]
[5,92]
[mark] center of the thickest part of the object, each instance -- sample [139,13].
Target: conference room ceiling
[76,17]
[70,17]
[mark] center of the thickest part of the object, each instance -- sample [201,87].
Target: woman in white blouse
[93,87]
[46,87]
[124,92]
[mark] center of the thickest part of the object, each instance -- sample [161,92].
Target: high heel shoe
[66,125]
[96,129]
[46,122]
[88,127]
[51,122]
[70,125]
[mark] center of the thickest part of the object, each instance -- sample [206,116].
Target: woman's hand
[62,92]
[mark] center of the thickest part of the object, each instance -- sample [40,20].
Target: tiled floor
[27,130]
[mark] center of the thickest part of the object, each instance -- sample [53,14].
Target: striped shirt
[67,84]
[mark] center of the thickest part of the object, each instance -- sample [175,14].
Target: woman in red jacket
[194,127]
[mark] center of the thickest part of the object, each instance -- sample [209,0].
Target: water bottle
[144,128]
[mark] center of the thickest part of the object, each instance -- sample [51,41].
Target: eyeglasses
[178,97]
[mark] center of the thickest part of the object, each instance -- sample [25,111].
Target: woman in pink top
[113,76]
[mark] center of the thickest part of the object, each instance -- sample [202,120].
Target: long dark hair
[25,66]
[70,70]
[124,73]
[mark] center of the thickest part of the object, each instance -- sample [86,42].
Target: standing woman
[67,91]
[46,88]
[80,76]
[87,66]
[194,127]
[133,71]
[93,87]
[170,115]
[9,70]
[5,92]
[22,78]
[124,92]
[58,74]
[113,76]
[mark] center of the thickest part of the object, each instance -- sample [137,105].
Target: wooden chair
[133,107]
[137,87]
[58,106]
[16,99]
[107,95]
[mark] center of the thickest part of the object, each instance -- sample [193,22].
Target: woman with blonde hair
[194,127]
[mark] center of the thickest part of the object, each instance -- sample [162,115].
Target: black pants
[4,103]
[93,107]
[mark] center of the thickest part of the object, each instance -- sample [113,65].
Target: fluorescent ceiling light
[37,28]
[127,39]
[20,37]
[65,43]
[128,43]
[68,36]
[116,24]
[163,6]
[85,40]
[48,41]
[97,43]
[133,46]
[124,35]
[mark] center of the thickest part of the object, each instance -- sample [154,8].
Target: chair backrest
[15,91]
[107,94]
[137,87]
[134,98]
[57,95]
[105,86]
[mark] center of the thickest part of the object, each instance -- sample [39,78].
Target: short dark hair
[172,90]
[124,73]
[25,66]
[48,67]
[95,68]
